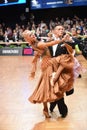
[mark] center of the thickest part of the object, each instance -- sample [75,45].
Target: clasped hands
[67,38]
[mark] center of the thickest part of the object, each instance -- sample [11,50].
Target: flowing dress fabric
[44,92]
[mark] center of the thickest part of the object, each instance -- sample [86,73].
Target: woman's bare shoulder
[41,45]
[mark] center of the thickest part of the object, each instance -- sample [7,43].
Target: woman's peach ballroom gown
[44,92]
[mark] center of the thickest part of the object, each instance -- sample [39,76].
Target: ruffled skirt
[44,92]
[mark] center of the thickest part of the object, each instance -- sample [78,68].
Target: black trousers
[61,106]
[61,103]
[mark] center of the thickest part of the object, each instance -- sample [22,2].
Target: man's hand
[67,38]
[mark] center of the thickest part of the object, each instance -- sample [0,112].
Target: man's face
[58,31]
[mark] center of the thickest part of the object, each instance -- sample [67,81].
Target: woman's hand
[52,79]
[67,38]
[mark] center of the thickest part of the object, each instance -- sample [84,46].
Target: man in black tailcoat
[56,50]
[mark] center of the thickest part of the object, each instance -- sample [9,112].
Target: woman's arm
[29,37]
[42,45]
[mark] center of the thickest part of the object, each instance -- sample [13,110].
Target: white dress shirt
[54,47]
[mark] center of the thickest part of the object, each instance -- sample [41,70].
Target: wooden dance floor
[17,113]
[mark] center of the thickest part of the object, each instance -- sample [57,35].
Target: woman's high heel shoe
[46,114]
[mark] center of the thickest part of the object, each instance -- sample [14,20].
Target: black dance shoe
[80,76]
[70,92]
[64,115]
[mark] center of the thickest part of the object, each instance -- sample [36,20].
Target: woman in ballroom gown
[57,75]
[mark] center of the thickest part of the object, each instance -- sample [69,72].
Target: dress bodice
[46,53]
